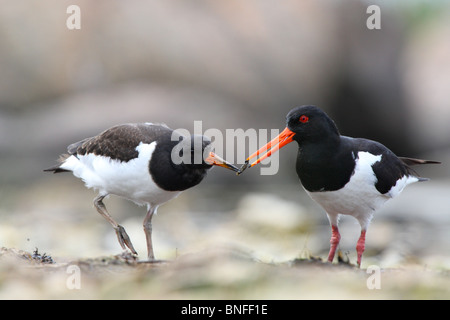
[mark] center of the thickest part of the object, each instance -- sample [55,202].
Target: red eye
[303,119]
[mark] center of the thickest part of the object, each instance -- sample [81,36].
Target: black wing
[118,142]
[391,168]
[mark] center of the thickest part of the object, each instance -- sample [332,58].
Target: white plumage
[359,197]
[130,180]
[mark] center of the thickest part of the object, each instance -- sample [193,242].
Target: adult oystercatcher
[145,163]
[346,176]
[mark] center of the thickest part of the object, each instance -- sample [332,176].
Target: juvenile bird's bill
[235,143]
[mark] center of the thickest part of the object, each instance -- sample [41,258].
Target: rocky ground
[217,273]
[262,246]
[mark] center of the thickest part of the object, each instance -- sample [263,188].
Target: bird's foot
[334,242]
[127,256]
[124,239]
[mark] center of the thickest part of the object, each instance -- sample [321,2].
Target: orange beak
[284,138]
[214,160]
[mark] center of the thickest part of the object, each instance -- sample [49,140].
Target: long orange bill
[215,160]
[285,137]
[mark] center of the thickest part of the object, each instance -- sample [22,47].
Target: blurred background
[232,64]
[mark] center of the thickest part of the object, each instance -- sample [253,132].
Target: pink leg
[334,241]
[360,246]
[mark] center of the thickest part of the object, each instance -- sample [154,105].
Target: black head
[305,124]
[197,149]
[183,162]
[310,123]
[196,152]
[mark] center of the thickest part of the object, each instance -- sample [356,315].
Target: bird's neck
[320,148]
[317,163]
[176,177]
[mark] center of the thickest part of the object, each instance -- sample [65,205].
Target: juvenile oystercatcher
[146,163]
[346,176]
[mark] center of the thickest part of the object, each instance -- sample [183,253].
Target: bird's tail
[409,162]
[413,162]
[57,168]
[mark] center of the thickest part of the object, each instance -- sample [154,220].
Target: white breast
[130,179]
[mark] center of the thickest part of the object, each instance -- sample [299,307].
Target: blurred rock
[271,212]
[426,73]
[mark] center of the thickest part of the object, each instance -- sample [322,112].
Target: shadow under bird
[136,162]
[344,175]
